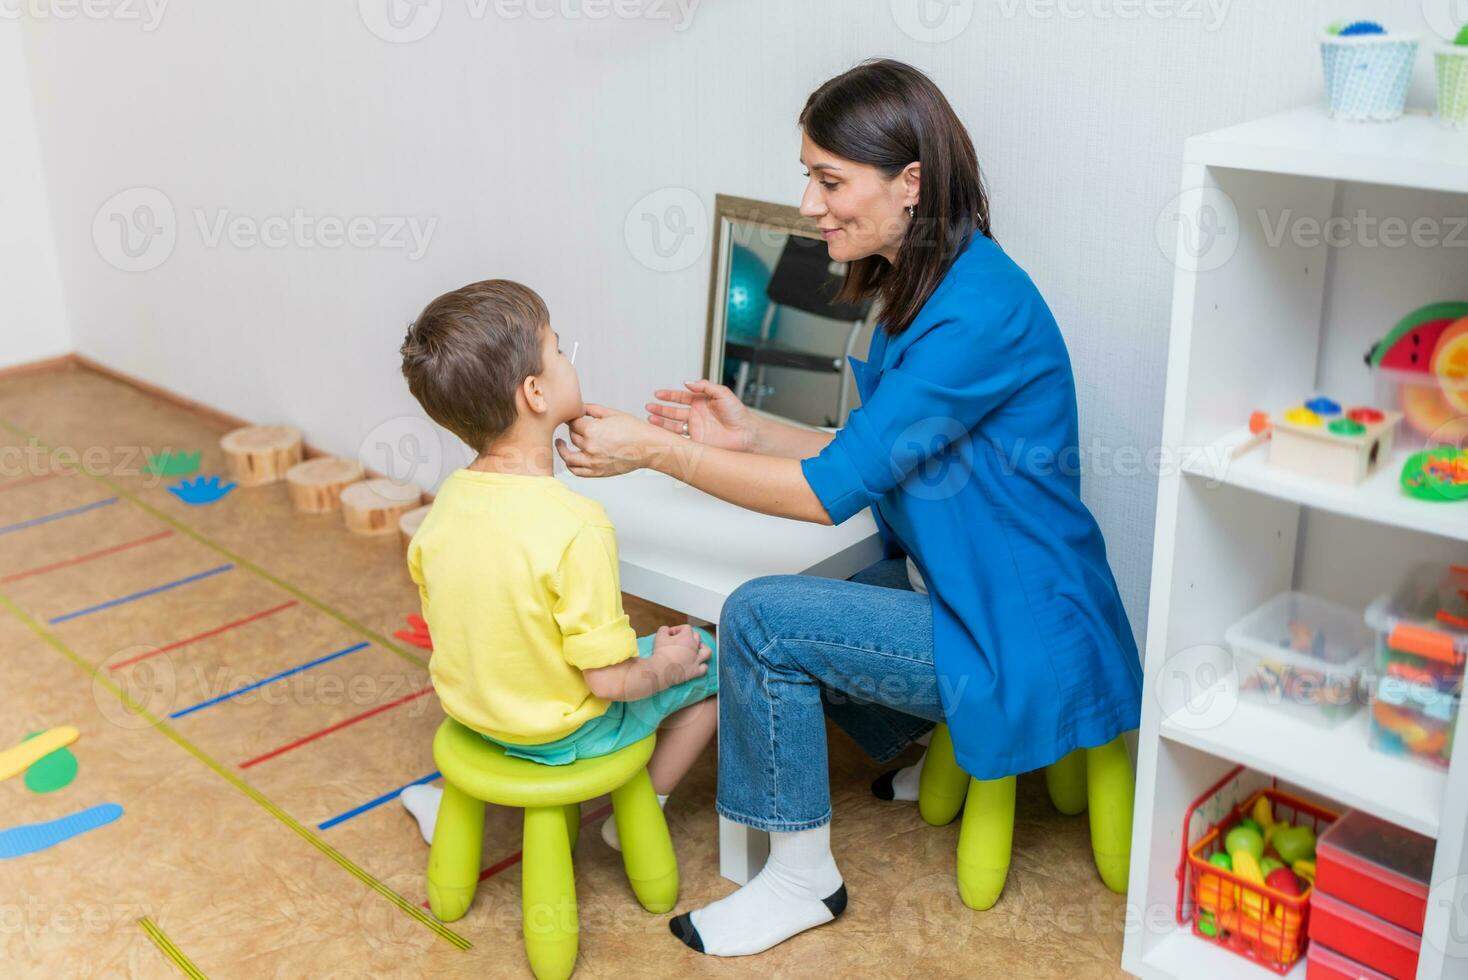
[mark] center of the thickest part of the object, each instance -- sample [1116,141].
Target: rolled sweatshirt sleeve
[944,384]
[595,632]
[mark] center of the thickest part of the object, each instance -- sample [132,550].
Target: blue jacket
[966,448]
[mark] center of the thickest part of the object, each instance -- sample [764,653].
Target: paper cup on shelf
[1452,86]
[1367,76]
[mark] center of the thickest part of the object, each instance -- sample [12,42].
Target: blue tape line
[138,595]
[372,804]
[47,518]
[272,678]
[33,837]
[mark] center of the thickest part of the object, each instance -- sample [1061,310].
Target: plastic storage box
[1324,963]
[1302,655]
[1376,866]
[1364,938]
[1434,408]
[1417,683]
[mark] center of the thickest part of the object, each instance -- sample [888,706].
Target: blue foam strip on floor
[30,838]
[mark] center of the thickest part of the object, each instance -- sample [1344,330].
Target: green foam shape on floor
[50,772]
[170,463]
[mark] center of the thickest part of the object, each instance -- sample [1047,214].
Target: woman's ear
[912,179]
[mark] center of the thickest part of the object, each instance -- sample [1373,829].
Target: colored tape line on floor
[30,838]
[167,948]
[19,758]
[100,680]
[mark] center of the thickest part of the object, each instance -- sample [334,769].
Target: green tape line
[174,954]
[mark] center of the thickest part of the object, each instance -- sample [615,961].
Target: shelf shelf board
[1414,151]
[1334,762]
[1378,499]
[1184,956]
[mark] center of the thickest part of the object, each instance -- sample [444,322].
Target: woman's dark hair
[887,114]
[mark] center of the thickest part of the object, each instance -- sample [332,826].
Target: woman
[965,446]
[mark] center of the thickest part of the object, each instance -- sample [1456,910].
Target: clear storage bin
[1434,408]
[1417,681]
[1302,655]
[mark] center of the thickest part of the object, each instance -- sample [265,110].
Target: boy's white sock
[798,889]
[609,827]
[902,784]
[422,802]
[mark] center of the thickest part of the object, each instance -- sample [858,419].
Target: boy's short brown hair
[466,354]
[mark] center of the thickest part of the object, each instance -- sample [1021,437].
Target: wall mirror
[776,334]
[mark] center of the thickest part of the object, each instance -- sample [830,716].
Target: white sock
[798,889]
[905,781]
[422,802]
[609,826]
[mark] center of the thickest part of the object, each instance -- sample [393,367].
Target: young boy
[518,574]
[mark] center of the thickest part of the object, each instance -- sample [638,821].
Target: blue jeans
[794,649]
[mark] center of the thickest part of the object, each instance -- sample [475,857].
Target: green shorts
[625,722]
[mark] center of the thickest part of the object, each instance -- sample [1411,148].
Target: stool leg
[1066,781]
[647,848]
[548,894]
[985,840]
[1110,788]
[453,860]
[942,785]
[573,823]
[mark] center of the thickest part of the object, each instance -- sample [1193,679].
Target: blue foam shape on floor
[30,838]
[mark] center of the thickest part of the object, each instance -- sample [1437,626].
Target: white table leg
[742,851]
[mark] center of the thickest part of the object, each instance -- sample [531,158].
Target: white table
[681,548]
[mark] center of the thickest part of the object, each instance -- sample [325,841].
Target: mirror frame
[782,218]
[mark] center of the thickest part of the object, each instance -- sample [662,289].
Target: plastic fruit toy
[1270,865]
[1263,813]
[1247,868]
[1305,869]
[1283,880]
[1214,894]
[1247,840]
[1294,844]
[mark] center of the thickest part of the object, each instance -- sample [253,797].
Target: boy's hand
[676,660]
[682,634]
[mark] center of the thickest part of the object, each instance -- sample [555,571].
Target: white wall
[32,314]
[529,141]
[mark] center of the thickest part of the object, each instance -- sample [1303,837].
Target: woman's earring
[911,211]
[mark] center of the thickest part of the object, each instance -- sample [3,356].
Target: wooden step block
[374,506]
[316,485]
[409,522]
[260,454]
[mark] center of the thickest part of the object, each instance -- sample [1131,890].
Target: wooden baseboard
[62,362]
[219,419]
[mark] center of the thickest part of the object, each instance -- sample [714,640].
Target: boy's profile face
[558,379]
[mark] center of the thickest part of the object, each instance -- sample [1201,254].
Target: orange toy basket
[1253,920]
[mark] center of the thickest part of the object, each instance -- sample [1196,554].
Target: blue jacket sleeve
[945,383]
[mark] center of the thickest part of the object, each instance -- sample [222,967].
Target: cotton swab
[574,348]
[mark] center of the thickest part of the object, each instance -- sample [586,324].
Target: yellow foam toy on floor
[18,759]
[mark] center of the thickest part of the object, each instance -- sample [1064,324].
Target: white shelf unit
[1284,317]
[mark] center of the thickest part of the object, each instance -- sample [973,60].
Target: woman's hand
[609,442]
[714,415]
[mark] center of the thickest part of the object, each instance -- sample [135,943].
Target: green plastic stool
[1099,778]
[476,771]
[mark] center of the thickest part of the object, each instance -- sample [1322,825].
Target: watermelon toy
[1410,345]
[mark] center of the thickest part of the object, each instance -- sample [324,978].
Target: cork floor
[250,844]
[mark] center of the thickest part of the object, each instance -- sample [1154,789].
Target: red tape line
[334,728]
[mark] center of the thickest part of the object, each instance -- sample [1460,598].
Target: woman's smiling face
[860,210]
